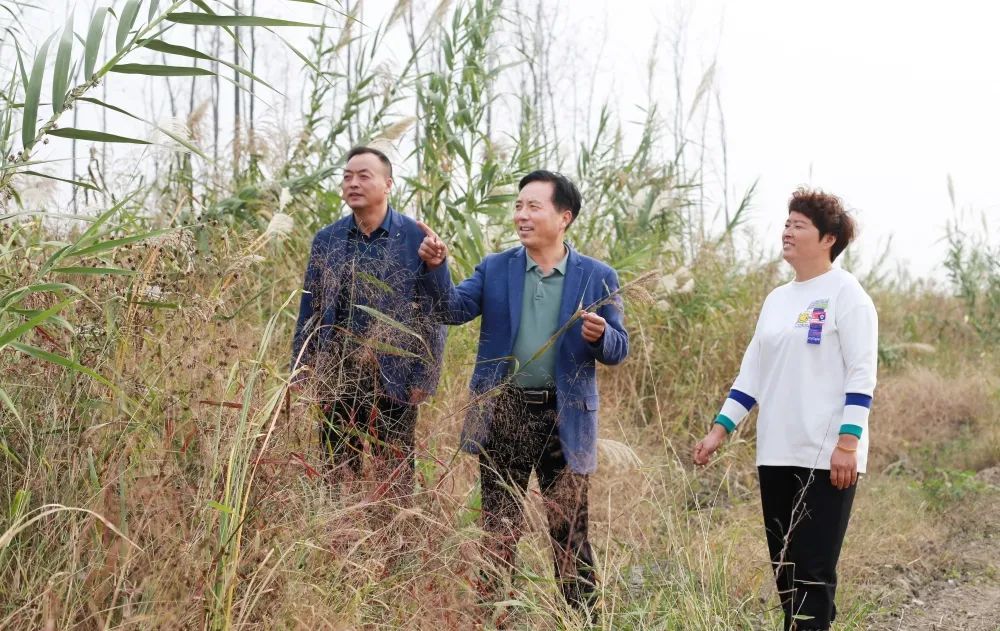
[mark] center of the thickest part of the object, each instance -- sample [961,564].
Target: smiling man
[549,314]
[368,375]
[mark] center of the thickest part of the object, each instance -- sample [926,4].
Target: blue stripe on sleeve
[860,400]
[743,399]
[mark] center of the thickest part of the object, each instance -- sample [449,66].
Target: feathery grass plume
[440,12]
[280,226]
[167,133]
[347,31]
[284,198]
[396,130]
[397,12]
[617,456]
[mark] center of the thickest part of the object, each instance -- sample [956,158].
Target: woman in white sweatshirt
[811,368]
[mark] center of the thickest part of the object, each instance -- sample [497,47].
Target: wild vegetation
[157,473]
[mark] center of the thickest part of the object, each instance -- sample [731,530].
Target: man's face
[800,240]
[366,182]
[539,223]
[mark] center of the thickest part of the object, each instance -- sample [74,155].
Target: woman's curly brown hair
[827,213]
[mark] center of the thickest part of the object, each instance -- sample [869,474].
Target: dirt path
[970,599]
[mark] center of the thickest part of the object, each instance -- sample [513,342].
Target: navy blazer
[331,289]
[494,291]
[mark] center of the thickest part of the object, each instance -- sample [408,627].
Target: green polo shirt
[539,322]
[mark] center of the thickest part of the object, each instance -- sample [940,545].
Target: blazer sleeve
[612,348]
[451,304]
[310,307]
[427,371]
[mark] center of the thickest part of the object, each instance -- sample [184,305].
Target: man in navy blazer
[549,314]
[362,278]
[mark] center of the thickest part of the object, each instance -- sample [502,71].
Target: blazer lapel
[515,291]
[572,293]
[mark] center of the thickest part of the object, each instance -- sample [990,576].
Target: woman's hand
[706,446]
[844,462]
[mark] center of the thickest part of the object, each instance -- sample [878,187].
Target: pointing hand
[432,249]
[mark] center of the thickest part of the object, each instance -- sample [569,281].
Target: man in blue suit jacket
[549,314]
[363,274]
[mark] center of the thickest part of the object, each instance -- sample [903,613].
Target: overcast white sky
[876,101]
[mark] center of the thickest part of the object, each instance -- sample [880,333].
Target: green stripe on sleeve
[853,430]
[727,423]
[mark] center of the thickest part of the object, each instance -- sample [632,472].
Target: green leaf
[16,295]
[129,13]
[32,94]
[399,326]
[20,67]
[94,36]
[97,271]
[175,49]
[104,246]
[161,71]
[96,136]
[89,99]
[183,142]
[30,323]
[202,19]
[222,508]
[153,6]
[58,360]
[61,73]
[161,46]
[62,179]
[381,347]
[5,398]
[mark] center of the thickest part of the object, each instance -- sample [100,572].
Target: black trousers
[362,417]
[805,518]
[524,438]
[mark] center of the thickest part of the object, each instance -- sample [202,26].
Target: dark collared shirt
[371,277]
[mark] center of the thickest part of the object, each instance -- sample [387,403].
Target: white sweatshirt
[811,367]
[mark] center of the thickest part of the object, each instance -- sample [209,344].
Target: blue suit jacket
[494,291]
[396,292]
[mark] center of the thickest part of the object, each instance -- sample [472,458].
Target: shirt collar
[560,267]
[385,227]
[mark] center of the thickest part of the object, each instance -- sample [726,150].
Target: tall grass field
[156,472]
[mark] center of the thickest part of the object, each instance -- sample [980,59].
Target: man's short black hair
[361,150]
[565,195]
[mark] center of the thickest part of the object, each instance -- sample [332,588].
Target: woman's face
[801,243]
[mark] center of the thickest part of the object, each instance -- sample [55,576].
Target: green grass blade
[153,70]
[175,49]
[129,13]
[113,108]
[94,36]
[62,179]
[5,398]
[61,72]
[187,144]
[59,360]
[161,46]
[14,296]
[16,332]
[96,271]
[202,19]
[32,94]
[96,136]
[104,246]
[20,67]
[381,317]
